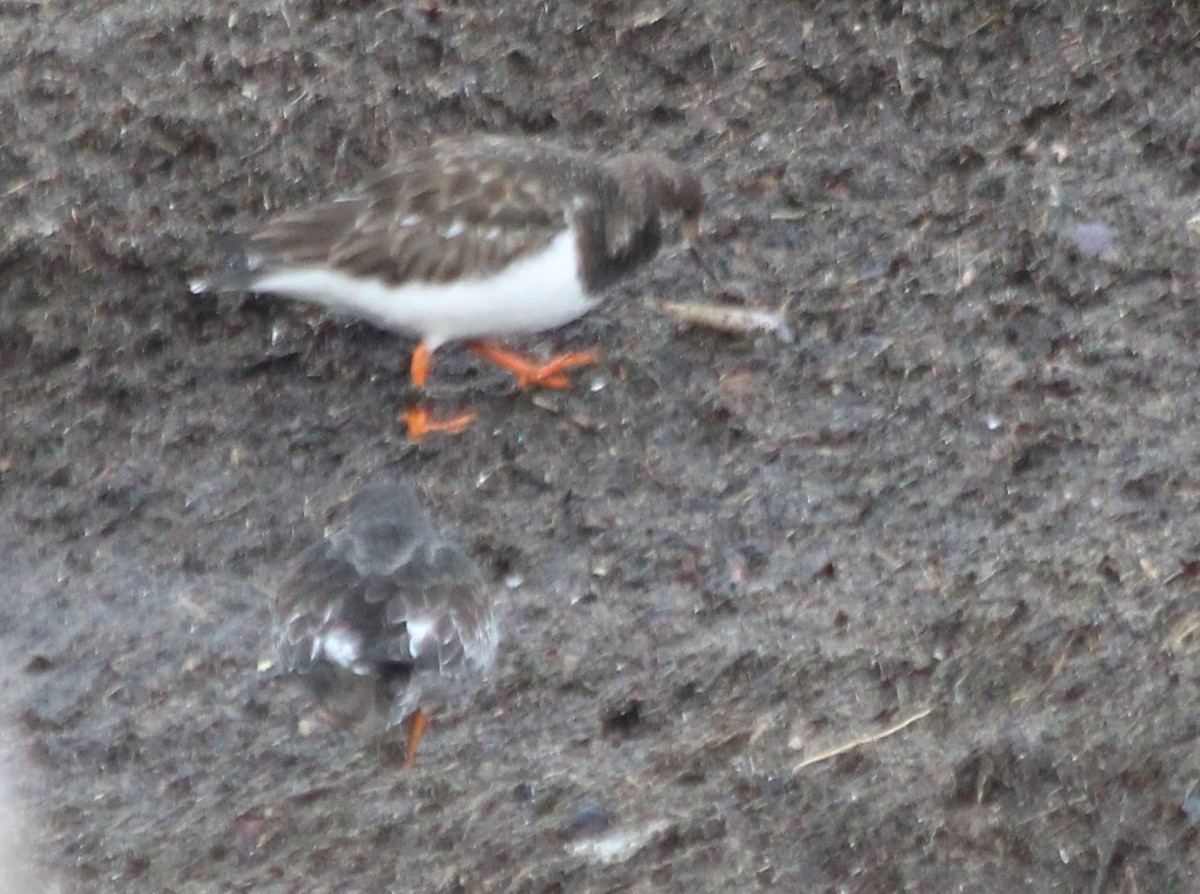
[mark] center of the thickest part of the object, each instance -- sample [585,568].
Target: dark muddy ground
[968,488]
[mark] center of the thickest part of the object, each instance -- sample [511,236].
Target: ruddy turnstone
[385,619]
[472,239]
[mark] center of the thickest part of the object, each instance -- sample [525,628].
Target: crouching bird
[386,620]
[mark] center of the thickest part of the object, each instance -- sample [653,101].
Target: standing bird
[471,239]
[385,619]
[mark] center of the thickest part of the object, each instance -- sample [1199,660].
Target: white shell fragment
[618,846]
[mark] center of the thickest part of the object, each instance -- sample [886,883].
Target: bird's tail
[227,281]
[238,275]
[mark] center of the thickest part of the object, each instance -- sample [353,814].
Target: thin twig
[856,743]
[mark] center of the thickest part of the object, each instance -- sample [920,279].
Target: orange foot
[420,424]
[542,375]
[418,421]
[418,722]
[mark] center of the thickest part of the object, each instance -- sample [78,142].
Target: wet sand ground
[733,568]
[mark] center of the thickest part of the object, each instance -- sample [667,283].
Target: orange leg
[418,369]
[418,419]
[543,375]
[418,722]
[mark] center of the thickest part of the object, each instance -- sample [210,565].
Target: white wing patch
[421,635]
[342,646]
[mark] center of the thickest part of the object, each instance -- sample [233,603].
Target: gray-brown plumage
[385,619]
[463,208]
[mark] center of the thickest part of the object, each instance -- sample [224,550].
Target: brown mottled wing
[434,215]
[319,589]
[385,569]
[439,586]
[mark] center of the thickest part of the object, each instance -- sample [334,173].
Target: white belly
[531,295]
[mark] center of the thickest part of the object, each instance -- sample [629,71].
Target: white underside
[531,295]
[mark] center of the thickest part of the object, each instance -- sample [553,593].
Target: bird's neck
[610,248]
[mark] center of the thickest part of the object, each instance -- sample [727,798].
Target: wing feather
[435,215]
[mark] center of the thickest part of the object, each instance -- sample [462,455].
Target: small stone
[1096,240]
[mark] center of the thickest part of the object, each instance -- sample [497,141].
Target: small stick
[856,743]
[729,317]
